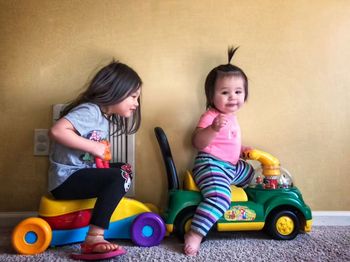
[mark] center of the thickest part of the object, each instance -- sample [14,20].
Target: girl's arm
[64,133]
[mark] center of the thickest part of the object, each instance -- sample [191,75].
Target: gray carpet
[324,243]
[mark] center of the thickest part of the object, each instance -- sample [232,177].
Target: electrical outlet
[41,142]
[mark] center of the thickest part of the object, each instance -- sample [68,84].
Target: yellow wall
[295,53]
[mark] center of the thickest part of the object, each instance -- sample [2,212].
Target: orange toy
[104,163]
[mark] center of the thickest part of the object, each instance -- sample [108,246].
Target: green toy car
[270,202]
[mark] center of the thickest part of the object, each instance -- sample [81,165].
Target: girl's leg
[96,235]
[107,185]
[215,188]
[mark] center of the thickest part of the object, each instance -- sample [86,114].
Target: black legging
[106,184]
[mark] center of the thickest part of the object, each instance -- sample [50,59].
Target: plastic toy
[104,163]
[98,256]
[270,202]
[63,222]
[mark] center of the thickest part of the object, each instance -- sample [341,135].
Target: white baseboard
[319,218]
[331,218]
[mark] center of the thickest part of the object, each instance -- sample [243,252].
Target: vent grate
[123,150]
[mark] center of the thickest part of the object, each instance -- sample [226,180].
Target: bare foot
[192,243]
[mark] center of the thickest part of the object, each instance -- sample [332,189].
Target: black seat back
[173,181]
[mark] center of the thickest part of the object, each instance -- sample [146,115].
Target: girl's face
[126,107]
[229,94]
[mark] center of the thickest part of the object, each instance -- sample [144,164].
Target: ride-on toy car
[270,202]
[63,222]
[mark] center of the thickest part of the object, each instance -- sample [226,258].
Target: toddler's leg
[242,173]
[215,188]
[192,243]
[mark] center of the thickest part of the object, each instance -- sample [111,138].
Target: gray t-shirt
[90,123]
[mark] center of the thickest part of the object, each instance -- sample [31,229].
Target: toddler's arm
[64,133]
[203,136]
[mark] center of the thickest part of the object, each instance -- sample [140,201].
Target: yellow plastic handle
[270,164]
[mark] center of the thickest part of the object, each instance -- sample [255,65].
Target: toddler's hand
[244,149]
[219,122]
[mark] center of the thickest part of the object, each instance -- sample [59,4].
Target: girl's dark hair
[223,71]
[111,85]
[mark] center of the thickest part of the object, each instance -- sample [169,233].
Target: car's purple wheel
[148,229]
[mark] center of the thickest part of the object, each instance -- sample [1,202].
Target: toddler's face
[229,94]
[126,107]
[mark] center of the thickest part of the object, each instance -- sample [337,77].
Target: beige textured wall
[296,54]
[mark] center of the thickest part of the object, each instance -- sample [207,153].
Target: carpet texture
[324,243]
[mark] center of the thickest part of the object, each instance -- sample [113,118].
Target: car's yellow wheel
[188,225]
[183,221]
[285,225]
[31,236]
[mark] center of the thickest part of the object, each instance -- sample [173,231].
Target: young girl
[112,98]
[218,140]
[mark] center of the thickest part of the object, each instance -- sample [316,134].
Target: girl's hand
[219,122]
[100,150]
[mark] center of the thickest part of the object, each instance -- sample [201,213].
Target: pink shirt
[227,143]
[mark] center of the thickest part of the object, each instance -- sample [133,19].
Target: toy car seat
[238,194]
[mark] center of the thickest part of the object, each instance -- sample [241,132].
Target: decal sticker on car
[239,213]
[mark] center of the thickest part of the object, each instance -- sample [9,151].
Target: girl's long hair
[111,85]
